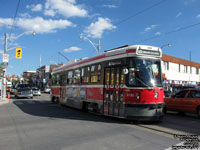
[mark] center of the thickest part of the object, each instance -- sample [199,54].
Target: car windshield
[144,72]
[35,88]
[22,86]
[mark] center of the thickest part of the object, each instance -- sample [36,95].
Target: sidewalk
[4,101]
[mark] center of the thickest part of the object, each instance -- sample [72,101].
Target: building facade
[43,76]
[179,73]
[29,77]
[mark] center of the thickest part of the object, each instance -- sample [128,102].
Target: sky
[58,25]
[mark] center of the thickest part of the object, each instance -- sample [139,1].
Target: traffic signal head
[18,53]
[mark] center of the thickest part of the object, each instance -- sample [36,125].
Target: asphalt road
[37,124]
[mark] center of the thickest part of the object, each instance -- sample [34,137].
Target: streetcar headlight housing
[138,95]
[156,95]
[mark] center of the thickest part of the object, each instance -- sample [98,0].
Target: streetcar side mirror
[125,71]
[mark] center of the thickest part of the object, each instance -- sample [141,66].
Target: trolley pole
[98,47]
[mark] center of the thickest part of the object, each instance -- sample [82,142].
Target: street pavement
[37,124]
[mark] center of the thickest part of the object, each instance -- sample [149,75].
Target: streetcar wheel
[85,107]
[164,110]
[198,111]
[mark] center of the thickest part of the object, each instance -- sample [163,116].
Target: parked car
[167,93]
[36,91]
[47,90]
[187,100]
[23,91]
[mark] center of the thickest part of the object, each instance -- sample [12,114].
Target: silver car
[36,91]
[23,91]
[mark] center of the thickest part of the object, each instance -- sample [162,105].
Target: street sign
[18,53]
[5,58]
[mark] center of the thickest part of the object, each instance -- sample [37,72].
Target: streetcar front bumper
[144,112]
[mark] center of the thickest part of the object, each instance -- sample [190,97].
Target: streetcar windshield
[144,73]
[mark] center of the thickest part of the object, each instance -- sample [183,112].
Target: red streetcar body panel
[146,96]
[94,94]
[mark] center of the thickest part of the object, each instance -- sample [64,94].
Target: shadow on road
[173,121]
[55,111]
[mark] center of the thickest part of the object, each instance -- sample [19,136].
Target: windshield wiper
[143,82]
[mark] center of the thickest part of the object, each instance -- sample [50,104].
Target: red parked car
[187,100]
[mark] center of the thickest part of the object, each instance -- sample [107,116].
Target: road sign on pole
[18,53]
[5,58]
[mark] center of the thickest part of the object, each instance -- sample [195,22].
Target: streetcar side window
[70,77]
[95,73]
[85,75]
[64,80]
[77,76]
[54,79]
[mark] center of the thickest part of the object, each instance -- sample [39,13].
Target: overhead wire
[140,12]
[169,32]
[136,14]
[15,16]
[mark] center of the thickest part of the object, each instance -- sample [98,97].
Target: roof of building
[181,61]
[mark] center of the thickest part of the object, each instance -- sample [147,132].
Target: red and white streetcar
[124,82]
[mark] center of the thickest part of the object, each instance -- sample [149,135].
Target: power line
[169,32]
[124,20]
[14,19]
[53,55]
[140,12]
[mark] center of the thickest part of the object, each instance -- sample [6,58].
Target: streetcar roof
[115,53]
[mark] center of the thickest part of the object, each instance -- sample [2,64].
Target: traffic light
[18,53]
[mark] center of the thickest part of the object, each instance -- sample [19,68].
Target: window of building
[179,68]
[85,75]
[191,69]
[166,65]
[77,78]
[185,69]
[197,70]
[70,77]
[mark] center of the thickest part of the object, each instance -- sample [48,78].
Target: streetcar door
[113,92]
[63,88]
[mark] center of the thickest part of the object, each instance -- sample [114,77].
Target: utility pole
[4,72]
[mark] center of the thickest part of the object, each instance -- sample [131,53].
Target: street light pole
[93,44]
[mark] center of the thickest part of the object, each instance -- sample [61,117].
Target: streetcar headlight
[138,95]
[156,95]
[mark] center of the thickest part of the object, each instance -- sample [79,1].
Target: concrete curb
[4,100]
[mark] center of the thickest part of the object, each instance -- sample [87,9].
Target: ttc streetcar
[125,82]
